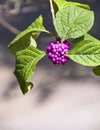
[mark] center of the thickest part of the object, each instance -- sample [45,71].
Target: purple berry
[57,52]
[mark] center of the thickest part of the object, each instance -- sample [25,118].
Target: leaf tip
[25,88]
[96,70]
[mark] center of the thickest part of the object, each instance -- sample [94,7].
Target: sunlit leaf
[73,22]
[23,40]
[59,4]
[86,52]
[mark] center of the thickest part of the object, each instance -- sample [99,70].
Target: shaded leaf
[26,61]
[60,3]
[76,40]
[55,7]
[96,70]
[85,37]
[90,37]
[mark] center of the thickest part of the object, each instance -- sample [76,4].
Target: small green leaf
[89,37]
[77,4]
[60,3]
[76,40]
[85,37]
[96,70]
[26,61]
[86,52]
[33,42]
[23,40]
[73,22]
[63,3]
[55,8]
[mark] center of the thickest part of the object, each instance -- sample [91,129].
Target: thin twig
[52,10]
[9,26]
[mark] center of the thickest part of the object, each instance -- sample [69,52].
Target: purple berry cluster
[57,52]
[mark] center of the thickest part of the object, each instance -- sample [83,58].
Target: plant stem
[52,10]
[53,17]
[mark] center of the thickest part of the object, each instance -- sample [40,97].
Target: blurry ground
[63,98]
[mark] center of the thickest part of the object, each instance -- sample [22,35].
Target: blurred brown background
[63,98]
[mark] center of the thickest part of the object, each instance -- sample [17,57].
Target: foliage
[72,21]
[26,61]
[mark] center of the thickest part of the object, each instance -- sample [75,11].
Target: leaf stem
[52,10]
[46,31]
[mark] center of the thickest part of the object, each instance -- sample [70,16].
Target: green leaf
[96,71]
[89,37]
[55,8]
[26,61]
[33,42]
[23,40]
[73,22]
[63,3]
[77,4]
[60,3]
[85,37]
[76,40]
[86,52]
